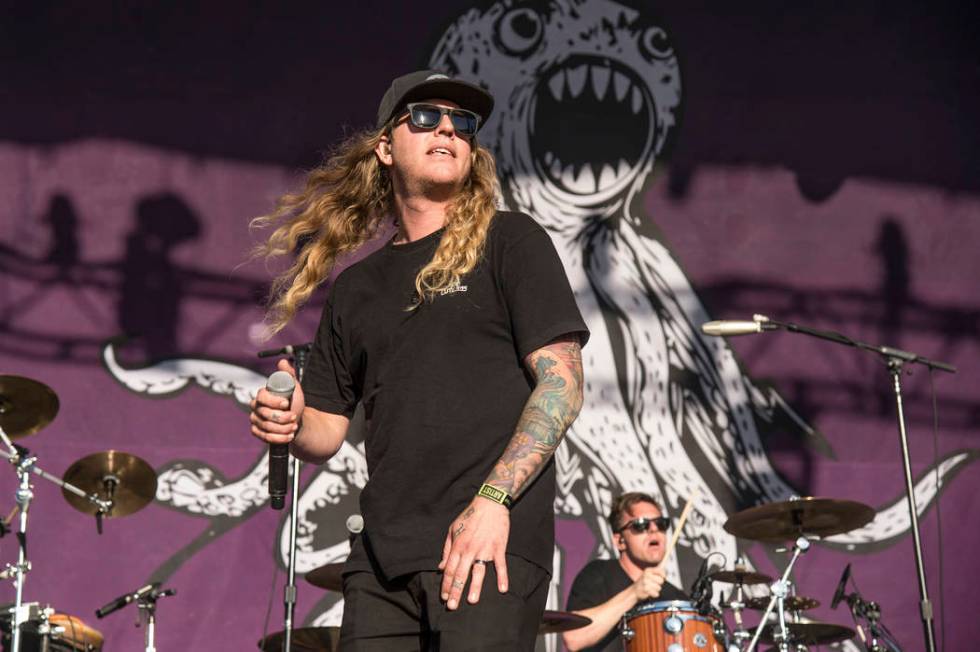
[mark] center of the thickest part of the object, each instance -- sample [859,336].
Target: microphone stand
[300,354]
[895,359]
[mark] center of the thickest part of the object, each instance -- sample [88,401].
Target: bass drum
[670,626]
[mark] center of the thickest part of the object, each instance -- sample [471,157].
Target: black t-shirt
[600,580]
[442,386]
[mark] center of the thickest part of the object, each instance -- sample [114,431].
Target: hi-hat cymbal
[26,406]
[739,577]
[306,639]
[126,480]
[790,602]
[561,621]
[809,633]
[328,576]
[776,522]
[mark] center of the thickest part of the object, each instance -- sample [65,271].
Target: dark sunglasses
[428,116]
[641,525]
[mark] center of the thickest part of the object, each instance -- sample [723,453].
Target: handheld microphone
[125,599]
[280,384]
[841,587]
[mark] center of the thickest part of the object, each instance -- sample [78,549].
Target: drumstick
[679,528]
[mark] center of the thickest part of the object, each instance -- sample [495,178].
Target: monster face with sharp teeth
[587,95]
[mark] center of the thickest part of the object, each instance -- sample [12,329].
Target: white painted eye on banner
[655,44]
[519,31]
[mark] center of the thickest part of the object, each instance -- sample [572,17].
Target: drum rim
[685,610]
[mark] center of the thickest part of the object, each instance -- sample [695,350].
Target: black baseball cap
[423,84]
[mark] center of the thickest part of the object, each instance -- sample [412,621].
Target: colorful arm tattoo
[551,408]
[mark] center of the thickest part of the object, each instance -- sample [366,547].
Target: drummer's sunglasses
[428,116]
[641,525]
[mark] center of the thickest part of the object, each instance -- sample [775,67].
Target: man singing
[461,339]
[607,588]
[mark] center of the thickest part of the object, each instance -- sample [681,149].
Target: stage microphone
[841,587]
[280,384]
[289,349]
[726,327]
[701,584]
[123,600]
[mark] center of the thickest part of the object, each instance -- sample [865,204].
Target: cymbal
[26,406]
[328,576]
[789,519]
[128,481]
[553,622]
[739,577]
[305,639]
[791,602]
[809,633]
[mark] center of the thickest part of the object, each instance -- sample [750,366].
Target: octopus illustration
[588,95]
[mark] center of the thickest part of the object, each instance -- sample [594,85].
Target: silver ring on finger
[482,562]
[457,584]
[274,417]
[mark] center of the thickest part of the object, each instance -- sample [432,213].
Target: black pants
[406,614]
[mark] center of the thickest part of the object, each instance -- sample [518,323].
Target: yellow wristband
[496,495]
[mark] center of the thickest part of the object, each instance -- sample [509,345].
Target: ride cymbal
[553,622]
[791,603]
[739,577]
[26,406]
[812,517]
[122,478]
[809,633]
[305,639]
[328,576]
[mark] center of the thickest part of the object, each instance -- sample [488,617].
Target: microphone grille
[280,382]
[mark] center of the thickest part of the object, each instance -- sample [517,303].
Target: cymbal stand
[24,464]
[737,604]
[779,590]
[870,611]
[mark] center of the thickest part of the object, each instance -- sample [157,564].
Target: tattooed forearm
[551,408]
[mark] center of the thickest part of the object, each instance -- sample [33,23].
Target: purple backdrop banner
[818,167]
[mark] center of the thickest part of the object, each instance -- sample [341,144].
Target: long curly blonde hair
[344,203]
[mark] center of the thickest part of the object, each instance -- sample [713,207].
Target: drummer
[607,588]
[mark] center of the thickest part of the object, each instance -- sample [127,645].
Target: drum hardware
[793,603]
[881,639]
[806,634]
[24,464]
[669,626]
[146,600]
[799,517]
[779,591]
[124,482]
[26,406]
[46,630]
